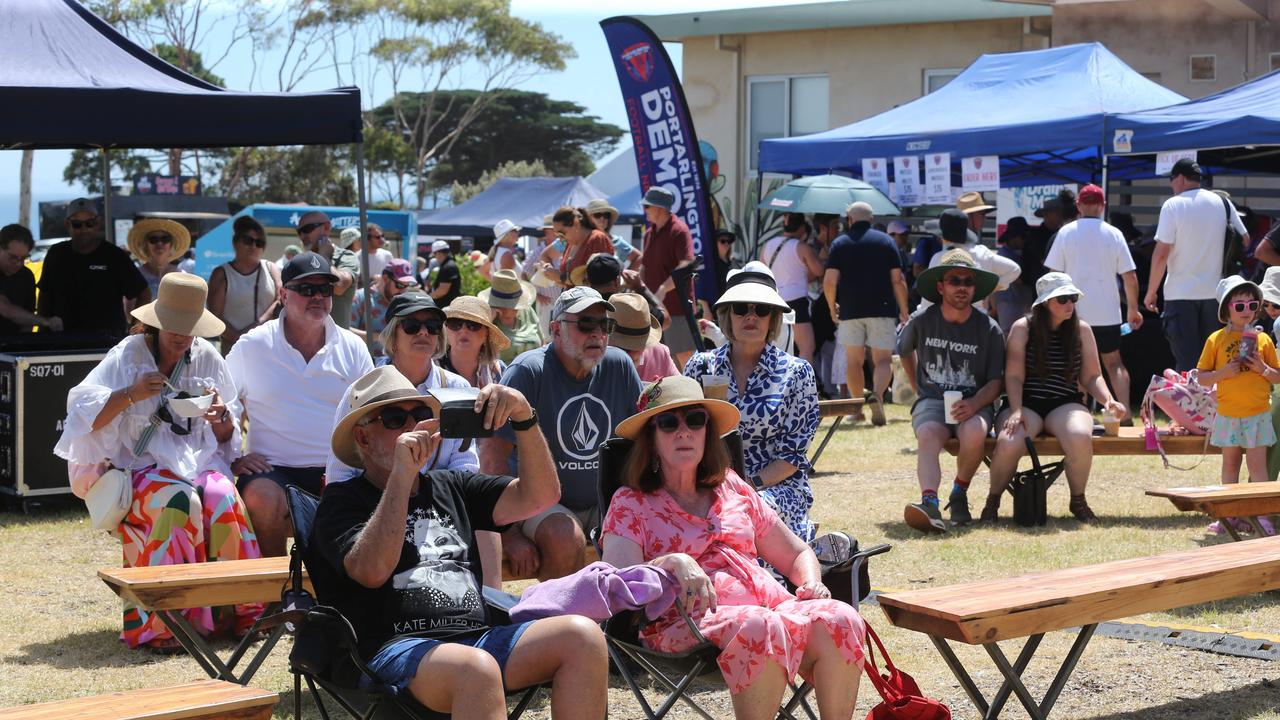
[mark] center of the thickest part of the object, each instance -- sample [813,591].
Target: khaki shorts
[587,519]
[877,333]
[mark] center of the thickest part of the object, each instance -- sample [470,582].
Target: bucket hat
[659,197]
[503,227]
[927,283]
[508,291]
[179,307]
[637,328]
[137,240]
[466,307]
[597,206]
[376,388]
[1227,287]
[1270,285]
[673,392]
[1055,284]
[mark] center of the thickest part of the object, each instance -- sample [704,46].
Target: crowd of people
[589,338]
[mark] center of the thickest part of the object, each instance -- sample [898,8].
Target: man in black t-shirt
[448,282]
[86,281]
[18,284]
[397,556]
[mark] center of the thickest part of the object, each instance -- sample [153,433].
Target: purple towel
[599,591]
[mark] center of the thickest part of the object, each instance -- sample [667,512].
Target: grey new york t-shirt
[575,416]
[953,356]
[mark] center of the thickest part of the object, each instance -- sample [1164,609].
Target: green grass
[60,622]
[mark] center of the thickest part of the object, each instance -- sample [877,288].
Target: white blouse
[185,455]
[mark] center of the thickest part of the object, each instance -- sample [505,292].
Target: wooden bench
[838,409]
[987,611]
[200,699]
[1130,441]
[1246,500]
[167,590]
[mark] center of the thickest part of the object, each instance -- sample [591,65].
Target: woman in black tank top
[1050,356]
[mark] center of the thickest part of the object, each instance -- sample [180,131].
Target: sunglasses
[602,215]
[588,325]
[1270,305]
[81,224]
[1244,306]
[310,227]
[743,309]
[456,324]
[405,284]
[159,239]
[725,241]
[394,417]
[308,290]
[954,281]
[251,240]
[669,422]
[165,416]
[1066,299]
[413,326]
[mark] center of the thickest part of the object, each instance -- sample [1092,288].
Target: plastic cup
[1110,424]
[715,387]
[949,398]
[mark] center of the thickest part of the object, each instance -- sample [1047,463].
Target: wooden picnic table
[1130,441]
[1246,500]
[167,590]
[188,701]
[838,409]
[987,611]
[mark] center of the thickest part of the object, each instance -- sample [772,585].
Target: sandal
[1079,507]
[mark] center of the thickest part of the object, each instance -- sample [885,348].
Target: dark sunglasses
[602,215]
[159,239]
[309,290]
[456,324]
[394,417]
[743,309]
[1066,299]
[961,281]
[310,227]
[588,325]
[251,240]
[413,326]
[725,241]
[1243,306]
[405,284]
[1270,305]
[165,416]
[81,224]
[669,422]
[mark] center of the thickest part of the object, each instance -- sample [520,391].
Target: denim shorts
[397,662]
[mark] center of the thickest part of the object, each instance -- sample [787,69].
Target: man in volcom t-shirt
[582,389]
[394,550]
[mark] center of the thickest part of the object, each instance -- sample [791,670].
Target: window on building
[784,107]
[934,79]
[1204,68]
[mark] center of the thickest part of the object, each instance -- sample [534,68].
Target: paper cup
[949,398]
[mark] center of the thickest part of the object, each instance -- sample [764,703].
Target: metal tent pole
[366,307]
[108,225]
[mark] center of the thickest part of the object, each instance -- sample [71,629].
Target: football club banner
[662,134]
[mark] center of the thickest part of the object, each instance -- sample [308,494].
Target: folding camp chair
[325,649]
[844,567]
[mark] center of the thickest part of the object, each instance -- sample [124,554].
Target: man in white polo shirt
[291,373]
[1189,244]
[1093,253]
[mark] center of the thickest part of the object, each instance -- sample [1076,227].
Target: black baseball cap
[306,265]
[954,226]
[1186,167]
[406,304]
[603,269]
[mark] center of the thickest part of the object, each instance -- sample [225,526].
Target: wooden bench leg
[198,648]
[825,439]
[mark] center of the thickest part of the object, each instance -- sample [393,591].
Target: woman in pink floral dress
[685,509]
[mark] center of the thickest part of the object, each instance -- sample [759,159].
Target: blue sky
[588,79]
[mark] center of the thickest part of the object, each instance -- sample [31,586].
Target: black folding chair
[844,566]
[325,649]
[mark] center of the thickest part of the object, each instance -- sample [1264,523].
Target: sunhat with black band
[508,291]
[179,307]
[955,259]
[754,283]
[476,310]
[1055,284]
[377,388]
[180,237]
[637,328]
[673,392]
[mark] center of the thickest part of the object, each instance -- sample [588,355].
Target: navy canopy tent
[68,79]
[1043,112]
[523,201]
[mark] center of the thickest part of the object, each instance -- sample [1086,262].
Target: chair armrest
[499,604]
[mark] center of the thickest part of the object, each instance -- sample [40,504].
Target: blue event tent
[1042,111]
[523,201]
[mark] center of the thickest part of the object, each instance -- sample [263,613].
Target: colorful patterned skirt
[174,521]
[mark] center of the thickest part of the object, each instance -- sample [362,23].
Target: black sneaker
[958,504]
[924,517]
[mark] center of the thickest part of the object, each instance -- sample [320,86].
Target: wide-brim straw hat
[138,237]
[927,282]
[637,328]
[508,291]
[179,307]
[1227,287]
[972,202]
[376,388]
[1055,284]
[1270,285]
[599,205]
[754,283]
[677,391]
[474,309]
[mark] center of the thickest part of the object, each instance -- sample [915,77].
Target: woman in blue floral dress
[776,393]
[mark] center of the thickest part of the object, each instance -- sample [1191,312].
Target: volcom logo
[315,262]
[582,424]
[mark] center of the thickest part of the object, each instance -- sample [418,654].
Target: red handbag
[902,697]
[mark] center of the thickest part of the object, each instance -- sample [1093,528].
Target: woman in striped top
[1050,356]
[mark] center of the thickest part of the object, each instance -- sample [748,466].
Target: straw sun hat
[508,291]
[673,392]
[474,309]
[599,205]
[138,237]
[376,388]
[179,307]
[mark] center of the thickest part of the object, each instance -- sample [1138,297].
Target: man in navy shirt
[866,290]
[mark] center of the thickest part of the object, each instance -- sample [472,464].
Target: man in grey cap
[85,281]
[668,246]
[580,388]
[313,232]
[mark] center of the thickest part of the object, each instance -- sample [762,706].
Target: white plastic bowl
[191,407]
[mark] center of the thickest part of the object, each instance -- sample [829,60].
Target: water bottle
[1125,329]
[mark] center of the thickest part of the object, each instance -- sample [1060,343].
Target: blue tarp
[1247,114]
[523,201]
[68,79]
[630,211]
[1042,111]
